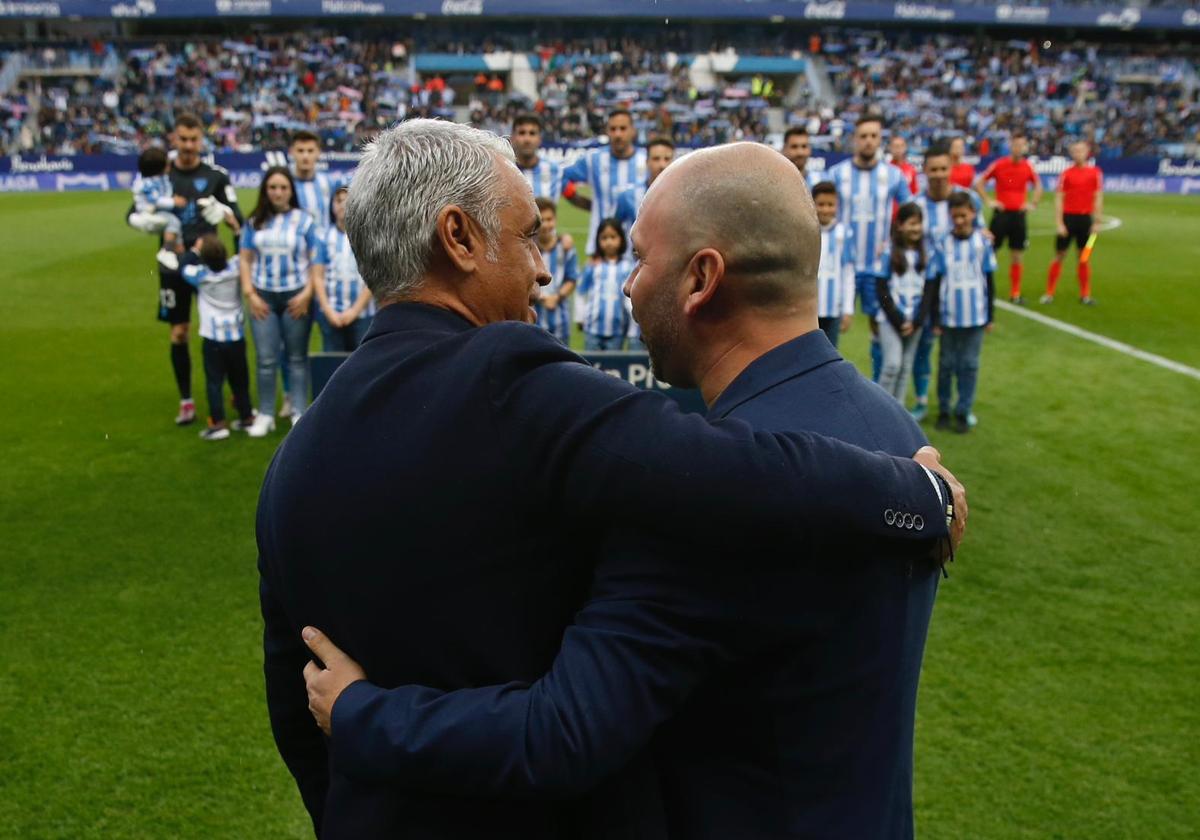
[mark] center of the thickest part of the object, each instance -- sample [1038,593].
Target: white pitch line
[1103,341]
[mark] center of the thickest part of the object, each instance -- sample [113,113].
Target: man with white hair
[475,466]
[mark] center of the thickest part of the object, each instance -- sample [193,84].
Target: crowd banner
[634,368]
[1028,14]
[65,173]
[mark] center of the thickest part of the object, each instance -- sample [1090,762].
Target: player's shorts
[1009,226]
[868,300]
[1079,228]
[174,297]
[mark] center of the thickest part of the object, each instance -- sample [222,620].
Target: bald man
[775,700]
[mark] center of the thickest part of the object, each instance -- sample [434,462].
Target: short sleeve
[570,265]
[989,257]
[579,170]
[247,239]
[320,252]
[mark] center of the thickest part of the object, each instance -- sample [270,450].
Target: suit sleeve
[617,453]
[297,737]
[636,651]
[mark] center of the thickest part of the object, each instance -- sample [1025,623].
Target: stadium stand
[698,86]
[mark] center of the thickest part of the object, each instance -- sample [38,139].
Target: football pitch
[1058,698]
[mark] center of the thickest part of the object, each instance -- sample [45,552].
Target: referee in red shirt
[1012,175]
[1077,205]
[962,174]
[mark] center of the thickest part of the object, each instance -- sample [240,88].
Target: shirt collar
[787,361]
[402,317]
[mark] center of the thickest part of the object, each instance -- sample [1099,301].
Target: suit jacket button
[919,522]
[908,521]
[889,516]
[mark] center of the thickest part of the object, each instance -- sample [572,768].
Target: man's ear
[459,238]
[705,272]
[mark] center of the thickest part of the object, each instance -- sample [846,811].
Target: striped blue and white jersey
[937,214]
[865,198]
[629,202]
[907,288]
[154,194]
[606,314]
[963,264]
[545,178]
[835,276]
[314,196]
[343,283]
[218,299]
[284,248]
[563,265]
[607,176]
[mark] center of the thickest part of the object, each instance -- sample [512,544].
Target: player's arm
[980,185]
[570,271]
[577,173]
[1098,204]
[650,632]
[575,198]
[621,454]
[883,272]
[1037,188]
[1060,224]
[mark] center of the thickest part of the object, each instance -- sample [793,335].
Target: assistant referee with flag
[1078,202]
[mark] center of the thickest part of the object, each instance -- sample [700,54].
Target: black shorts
[1009,226]
[174,297]
[1079,228]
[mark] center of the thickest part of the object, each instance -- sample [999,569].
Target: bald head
[751,204]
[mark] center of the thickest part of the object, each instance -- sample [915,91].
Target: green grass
[1058,693]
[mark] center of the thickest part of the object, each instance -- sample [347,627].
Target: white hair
[406,176]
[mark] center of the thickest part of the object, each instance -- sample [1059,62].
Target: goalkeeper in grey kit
[210,200]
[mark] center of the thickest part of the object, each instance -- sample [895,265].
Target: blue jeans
[603,342]
[279,326]
[923,363]
[958,359]
[342,339]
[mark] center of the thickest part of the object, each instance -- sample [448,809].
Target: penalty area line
[1102,340]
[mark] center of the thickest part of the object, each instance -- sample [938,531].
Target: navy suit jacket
[432,513]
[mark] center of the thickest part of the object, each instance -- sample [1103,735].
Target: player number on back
[167,298]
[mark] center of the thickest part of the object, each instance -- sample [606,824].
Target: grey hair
[406,176]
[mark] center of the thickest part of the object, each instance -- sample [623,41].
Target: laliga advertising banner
[65,173]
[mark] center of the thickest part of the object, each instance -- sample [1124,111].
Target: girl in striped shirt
[278,273]
[608,318]
[558,252]
[905,291]
[345,304]
[966,267]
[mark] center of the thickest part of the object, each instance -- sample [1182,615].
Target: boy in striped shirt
[209,270]
[835,276]
[965,266]
[558,252]
[314,190]
[935,205]
[155,203]
[868,187]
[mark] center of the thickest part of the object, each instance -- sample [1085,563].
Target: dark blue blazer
[438,511]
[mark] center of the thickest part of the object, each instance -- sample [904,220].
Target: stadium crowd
[1127,99]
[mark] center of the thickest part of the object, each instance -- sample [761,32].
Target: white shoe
[168,259]
[263,424]
[285,407]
